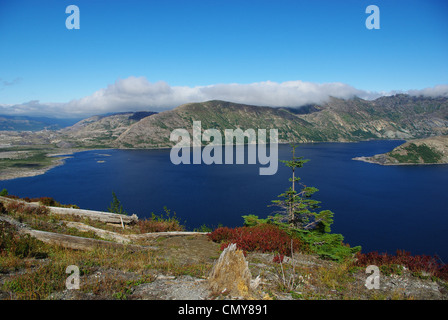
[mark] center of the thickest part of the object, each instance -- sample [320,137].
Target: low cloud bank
[137,93]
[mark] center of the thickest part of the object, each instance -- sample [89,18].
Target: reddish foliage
[263,238]
[222,234]
[10,196]
[21,208]
[417,263]
[45,201]
[278,258]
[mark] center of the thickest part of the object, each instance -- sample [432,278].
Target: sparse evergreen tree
[115,205]
[297,206]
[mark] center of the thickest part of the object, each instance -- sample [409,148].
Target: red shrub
[263,238]
[47,201]
[22,208]
[278,258]
[417,263]
[223,234]
[10,196]
[14,206]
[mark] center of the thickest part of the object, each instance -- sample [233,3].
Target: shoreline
[368,160]
[58,159]
[10,174]
[61,155]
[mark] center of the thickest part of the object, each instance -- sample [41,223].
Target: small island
[433,150]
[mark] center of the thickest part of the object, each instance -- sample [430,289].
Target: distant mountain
[394,117]
[25,123]
[100,130]
[155,131]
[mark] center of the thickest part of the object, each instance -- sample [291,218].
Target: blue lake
[381,208]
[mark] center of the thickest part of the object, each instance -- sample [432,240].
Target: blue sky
[193,43]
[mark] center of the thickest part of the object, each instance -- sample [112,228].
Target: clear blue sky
[204,42]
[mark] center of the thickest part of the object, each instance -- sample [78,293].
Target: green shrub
[22,246]
[37,284]
[115,205]
[160,223]
[203,228]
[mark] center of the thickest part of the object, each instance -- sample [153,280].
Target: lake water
[381,208]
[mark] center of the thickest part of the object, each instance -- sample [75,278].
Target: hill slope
[99,130]
[433,150]
[396,117]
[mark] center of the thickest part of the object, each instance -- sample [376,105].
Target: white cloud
[137,93]
[437,91]
[33,108]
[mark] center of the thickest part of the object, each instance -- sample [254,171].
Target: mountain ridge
[338,120]
[399,117]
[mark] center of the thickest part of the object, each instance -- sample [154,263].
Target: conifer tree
[115,205]
[297,206]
